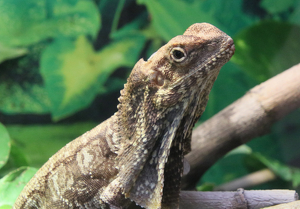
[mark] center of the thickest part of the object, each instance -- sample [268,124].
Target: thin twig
[250,180]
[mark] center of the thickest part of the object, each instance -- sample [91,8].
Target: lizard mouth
[230,49]
[223,55]
[217,60]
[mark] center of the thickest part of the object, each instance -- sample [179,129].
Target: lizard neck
[138,116]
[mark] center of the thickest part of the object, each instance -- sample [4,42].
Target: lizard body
[137,154]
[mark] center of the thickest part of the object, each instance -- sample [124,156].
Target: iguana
[137,154]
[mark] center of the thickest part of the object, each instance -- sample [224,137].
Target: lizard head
[163,98]
[181,73]
[187,64]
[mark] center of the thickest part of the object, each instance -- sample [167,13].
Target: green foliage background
[62,63]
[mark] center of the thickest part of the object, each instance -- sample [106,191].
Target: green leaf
[10,53]
[262,54]
[286,133]
[243,149]
[262,145]
[21,84]
[23,23]
[226,168]
[132,28]
[173,17]
[206,187]
[4,145]
[231,84]
[242,160]
[170,23]
[70,75]
[226,13]
[116,19]
[276,6]
[39,142]
[5,207]
[68,18]
[295,16]
[17,159]
[16,99]
[12,184]
[74,73]
[285,172]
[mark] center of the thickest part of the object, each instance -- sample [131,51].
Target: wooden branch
[292,205]
[249,117]
[240,199]
[250,180]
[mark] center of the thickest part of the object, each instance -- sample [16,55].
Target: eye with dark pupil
[178,54]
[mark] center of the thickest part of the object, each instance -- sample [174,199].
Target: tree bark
[292,205]
[240,199]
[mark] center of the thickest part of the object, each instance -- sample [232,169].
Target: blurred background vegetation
[63,63]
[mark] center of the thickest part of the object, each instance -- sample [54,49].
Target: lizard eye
[178,54]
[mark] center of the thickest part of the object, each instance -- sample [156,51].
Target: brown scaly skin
[137,154]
